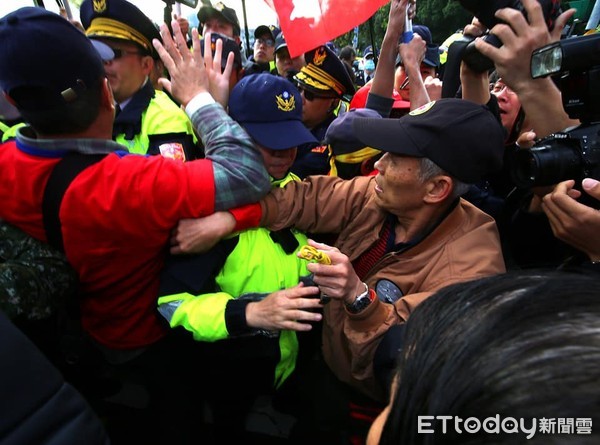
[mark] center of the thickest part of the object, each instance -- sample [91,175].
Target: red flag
[307,24]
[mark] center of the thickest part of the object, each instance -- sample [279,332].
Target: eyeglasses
[118,53]
[499,87]
[310,96]
[267,42]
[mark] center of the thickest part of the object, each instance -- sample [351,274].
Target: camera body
[485,11]
[573,153]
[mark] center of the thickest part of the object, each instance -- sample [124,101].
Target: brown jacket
[464,246]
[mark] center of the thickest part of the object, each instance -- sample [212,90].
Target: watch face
[359,304]
[387,291]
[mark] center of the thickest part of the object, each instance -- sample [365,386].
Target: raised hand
[218,81]
[186,68]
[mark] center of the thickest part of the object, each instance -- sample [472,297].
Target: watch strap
[361,301]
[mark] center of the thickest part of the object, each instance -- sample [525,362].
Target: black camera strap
[61,177]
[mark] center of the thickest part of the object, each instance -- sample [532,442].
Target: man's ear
[107,99]
[333,106]
[438,189]
[147,64]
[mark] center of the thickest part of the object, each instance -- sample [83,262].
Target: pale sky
[257,10]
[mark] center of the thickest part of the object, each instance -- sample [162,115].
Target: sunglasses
[267,42]
[123,52]
[310,96]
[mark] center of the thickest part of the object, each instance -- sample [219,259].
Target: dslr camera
[573,153]
[484,10]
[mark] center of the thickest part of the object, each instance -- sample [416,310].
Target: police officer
[322,82]
[220,19]
[147,120]
[262,61]
[247,326]
[286,65]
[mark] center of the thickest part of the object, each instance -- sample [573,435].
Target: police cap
[220,11]
[118,19]
[325,72]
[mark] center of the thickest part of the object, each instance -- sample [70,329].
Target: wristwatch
[360,302]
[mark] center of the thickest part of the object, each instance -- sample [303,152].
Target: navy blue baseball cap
[280,42]
[270,109]
[47,61]
[463,138]
[432,51]
[220,11]
[272,30]
[340,133]
[120,20]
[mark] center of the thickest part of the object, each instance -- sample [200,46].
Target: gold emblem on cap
[286,101]
[99,5]
[422,109]
[320,56]
[219,7]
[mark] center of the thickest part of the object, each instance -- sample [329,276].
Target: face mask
[370,65]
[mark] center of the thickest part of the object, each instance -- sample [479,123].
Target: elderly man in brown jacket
[401,235]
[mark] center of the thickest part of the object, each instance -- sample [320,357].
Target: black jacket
[38,406]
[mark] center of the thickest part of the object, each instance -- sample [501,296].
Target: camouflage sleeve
[35,279]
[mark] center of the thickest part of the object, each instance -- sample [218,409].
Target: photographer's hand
[572,222]
[540,98]
[475,28]
[475,85]
[520,36]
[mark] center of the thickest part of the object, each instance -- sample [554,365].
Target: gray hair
[428,169]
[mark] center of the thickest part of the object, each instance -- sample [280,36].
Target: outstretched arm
[239,173]
[383,83]
[540,98]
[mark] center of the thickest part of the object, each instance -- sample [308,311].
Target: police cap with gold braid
[325,73]
[118,19]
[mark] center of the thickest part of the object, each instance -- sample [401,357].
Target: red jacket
[116,219]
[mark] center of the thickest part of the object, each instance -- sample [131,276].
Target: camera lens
[477,61]
[546,164]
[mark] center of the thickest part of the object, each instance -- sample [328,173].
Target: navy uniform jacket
[313,159]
